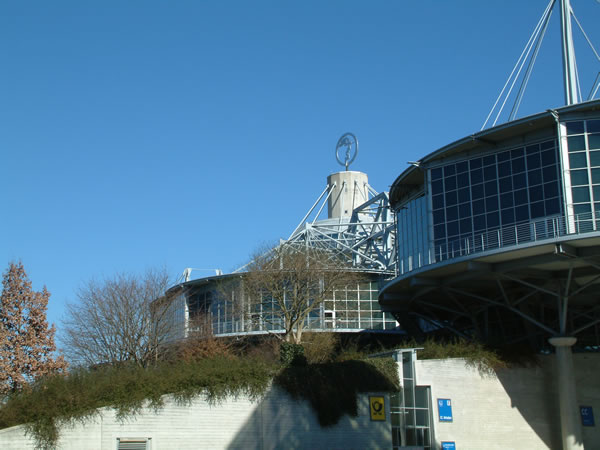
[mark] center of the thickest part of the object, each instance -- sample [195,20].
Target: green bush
[292,354]
[320,347]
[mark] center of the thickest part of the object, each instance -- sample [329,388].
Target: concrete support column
[569,414]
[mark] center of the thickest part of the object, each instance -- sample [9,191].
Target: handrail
[502,237]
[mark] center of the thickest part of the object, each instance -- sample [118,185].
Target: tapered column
[569,414]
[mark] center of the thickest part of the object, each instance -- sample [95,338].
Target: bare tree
[284,285]
[126,318]
[26,341]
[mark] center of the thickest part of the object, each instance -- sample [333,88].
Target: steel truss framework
[517,300]
[366,239]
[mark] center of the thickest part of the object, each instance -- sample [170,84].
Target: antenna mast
[568,54]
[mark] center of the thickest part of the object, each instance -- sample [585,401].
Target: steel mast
[568,54]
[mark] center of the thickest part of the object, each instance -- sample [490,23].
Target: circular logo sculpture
[346,150]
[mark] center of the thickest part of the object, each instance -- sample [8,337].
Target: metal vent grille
[132,444]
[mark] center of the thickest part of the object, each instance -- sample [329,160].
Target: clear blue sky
[136,134]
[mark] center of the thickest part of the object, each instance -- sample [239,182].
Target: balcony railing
[510,236]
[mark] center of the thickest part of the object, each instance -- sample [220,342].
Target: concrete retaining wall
[276,421]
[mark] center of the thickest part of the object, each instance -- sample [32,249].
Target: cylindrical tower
[350,191]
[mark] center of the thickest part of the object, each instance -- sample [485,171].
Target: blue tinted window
[535,177]
[536,209]
[475,163]
[552,206]
[504,169]
[516,153]
[577,160]
[439,216]
[549,173]
[593,126]
[493,219]
[452,213]
[519,181]
[436,174]
[520,197]
[489,160]
[479,223]
[437,187]
[574,127]
[437,201]
[534,161]
[518,165]
[450,183]
[465,226]
[579,177]
[594,141]
[449,170]
[451,198]
[548,157]
[504,156]
[464,195]
[595,176]
[464,210]
[581,194]
[462,167]
[477,191]
[508,216]
[576,143]
[594,159]
[506,200]
[551,190]
[478,207]
[463,180]
[491,203]
[452,228]
[522,213]
[491,188]
[489,173]
[536,193]
[505,184]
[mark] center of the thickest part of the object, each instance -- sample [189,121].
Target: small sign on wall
[377,405]
[587,416]
[445,409]
[448,445]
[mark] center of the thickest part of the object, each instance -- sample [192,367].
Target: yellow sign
[377,405]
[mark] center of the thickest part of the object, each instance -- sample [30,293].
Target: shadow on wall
[533,392]
[280,422]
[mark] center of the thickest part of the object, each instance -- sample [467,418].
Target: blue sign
[587,416]
[448,446]
[445,409]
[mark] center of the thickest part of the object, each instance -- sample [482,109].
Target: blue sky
[187,133]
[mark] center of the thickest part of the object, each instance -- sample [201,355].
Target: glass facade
[582,170]
[351,309]
[480,202]
[413,245]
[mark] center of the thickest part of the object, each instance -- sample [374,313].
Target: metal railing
[518,234]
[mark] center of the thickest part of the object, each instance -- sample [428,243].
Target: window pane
[595,176]
[464,195]
[522,213]
[579,177]
[491,203]
[464,210]
[478,207]
[536,193]
[505,168]
[504,156]
[574,127]
[452,213]
[462,167]
[493,219]
[576,143]
[476,176]
[595,158]
[552,206]
[477,191]
[463,180]
[577,160]
[594,141]
[437,201]
[534,161]
[535,177]
[581,194]
[508,216]
[548,157]
[491,188]
[437,187]
[537,209]
[449,170]
[549,173]
[450,183]
[451,198]
[506,200]
[436,174]
[518,165]
[593,126]
[519,181]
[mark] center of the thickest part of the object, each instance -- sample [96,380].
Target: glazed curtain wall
[488,201]
[583,168]
[412,236]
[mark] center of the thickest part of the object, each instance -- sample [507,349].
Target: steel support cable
[523,87]
[596,84]
[533,39]
[550,5]
[313,207]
